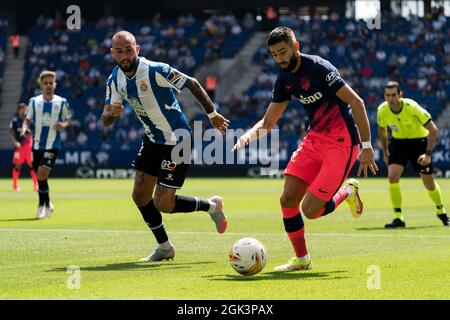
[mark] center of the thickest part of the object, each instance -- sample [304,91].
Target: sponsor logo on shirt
[137,106]
[331,78]
[311,99]
[176,79]
[46,120]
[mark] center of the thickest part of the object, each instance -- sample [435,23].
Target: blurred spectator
[15,44]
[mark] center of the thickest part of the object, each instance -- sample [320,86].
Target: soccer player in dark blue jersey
[22,147]
[319,167]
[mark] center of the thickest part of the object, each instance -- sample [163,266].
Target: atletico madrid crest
[305,83]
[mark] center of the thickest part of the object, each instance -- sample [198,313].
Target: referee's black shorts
[402,151]
[156,160]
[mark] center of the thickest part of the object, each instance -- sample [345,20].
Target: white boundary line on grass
[319,234]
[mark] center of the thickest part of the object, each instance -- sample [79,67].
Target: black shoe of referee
[443,217]
[396,223]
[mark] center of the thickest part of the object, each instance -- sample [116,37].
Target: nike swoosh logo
[322,191]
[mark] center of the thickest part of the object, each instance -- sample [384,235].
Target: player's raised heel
[354,200]
[295,264]
[218,216]
[160,254]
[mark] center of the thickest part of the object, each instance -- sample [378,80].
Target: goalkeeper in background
[413,137]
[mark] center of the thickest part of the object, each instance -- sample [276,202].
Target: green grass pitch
[96,228]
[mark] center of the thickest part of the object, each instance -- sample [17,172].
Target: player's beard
[130,67]
[291,64]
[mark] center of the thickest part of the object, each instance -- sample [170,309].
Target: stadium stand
[82,61]
[3,42]
[414,51]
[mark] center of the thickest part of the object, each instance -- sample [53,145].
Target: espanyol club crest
[305,83]
[143,86]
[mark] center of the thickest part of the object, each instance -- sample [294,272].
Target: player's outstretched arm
[111,112]
[218,121]
[263,126]
[366,159]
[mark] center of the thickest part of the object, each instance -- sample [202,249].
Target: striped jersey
[44,115]
[150,92]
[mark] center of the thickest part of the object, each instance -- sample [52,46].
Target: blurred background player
[324,159]
[413,136]
[49,114]
[149,88]
[22,147]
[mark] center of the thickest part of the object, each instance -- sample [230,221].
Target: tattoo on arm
[200,94]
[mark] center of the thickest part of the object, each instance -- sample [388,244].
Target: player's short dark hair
[280,34]
[393,84]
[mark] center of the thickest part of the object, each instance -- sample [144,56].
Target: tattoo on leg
[160,191]
[139,178]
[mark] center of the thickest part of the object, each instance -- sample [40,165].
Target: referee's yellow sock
[396,200]
[436,196]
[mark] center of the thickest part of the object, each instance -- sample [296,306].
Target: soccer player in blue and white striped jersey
[50,114]
[148,87]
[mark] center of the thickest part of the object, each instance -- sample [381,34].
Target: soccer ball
[248,256]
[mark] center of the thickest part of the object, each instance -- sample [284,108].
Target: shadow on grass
[125,266]
[27,219]
[300,275]
[388,229]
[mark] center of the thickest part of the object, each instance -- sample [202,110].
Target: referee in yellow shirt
[413,137]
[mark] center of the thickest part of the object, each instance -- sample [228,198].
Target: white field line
[316,234]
